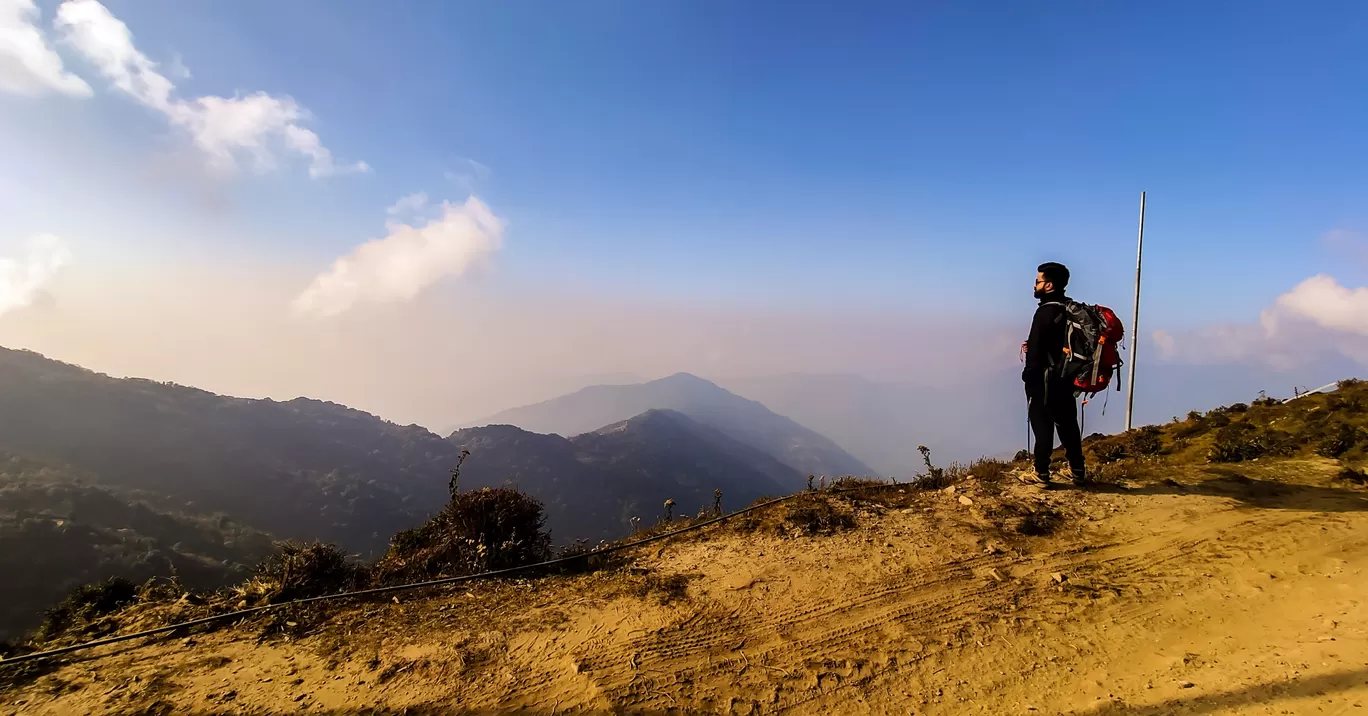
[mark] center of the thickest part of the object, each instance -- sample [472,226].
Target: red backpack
[1092,337]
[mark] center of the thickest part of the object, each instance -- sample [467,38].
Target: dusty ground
[1220,590]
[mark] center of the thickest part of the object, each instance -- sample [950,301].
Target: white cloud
[1323,301]
[1168,346]
[411,258]
[28,64]
[1318,316]
[408,206]
[257,125]
[22,280]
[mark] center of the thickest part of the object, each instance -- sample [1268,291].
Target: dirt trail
[1223,592]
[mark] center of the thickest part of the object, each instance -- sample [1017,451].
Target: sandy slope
[1225,592]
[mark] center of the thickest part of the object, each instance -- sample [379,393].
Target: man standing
[1051,399]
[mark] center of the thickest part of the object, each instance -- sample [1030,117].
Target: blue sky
[916,157]
[758,148]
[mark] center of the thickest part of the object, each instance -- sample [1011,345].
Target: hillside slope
[1218,566]
[301,469]
[58,532]
[802,449]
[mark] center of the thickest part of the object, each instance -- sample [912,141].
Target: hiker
[1051,398]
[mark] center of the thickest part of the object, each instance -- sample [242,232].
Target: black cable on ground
[417,585]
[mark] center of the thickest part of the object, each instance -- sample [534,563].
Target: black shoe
[1081,479]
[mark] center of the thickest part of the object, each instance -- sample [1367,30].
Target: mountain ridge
[748,421]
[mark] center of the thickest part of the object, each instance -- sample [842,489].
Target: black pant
[1056,408]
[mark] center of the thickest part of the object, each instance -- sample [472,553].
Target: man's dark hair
[1055,273]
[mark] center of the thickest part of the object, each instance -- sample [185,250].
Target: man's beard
[1041,293]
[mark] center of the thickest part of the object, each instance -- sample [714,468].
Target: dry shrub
[813,515]
[990,470]
[1353,475]
[851,482]
[808,513]
[81,611]
[478,531]
[1040,522]
[1022,456]
[1146,440]
[300,570]
[1242,441]
[1194,425]
[1108,450]
[666,589]
[1337,438]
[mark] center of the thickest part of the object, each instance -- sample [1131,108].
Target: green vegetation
[58,532]
[1329,425]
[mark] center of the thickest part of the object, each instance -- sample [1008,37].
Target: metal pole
[1135,319]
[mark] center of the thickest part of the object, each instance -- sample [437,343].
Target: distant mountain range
[746,421]
[594,483]
[103,476]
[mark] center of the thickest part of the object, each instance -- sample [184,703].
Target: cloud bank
[22,279]
[28,64]
[256,126]
[1319,316]
[406,261]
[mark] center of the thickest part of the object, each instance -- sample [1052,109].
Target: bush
[1234,443]
[1108,450]
[1238,408]
[987,469]
[478,531]
[1022,456]
[84,605]
[813,515]
[1352,475]
[1242,441]
[1040,522]
[1194,424]
[1144,441]
[299,570]
[1340,438]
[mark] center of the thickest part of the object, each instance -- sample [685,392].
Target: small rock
[964,500]
[300,697]
[995,574]
[950,490]
[1057,577]
[1186,685]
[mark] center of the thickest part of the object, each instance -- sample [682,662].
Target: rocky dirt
[1201,590]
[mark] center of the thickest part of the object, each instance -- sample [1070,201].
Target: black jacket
[1045,345]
